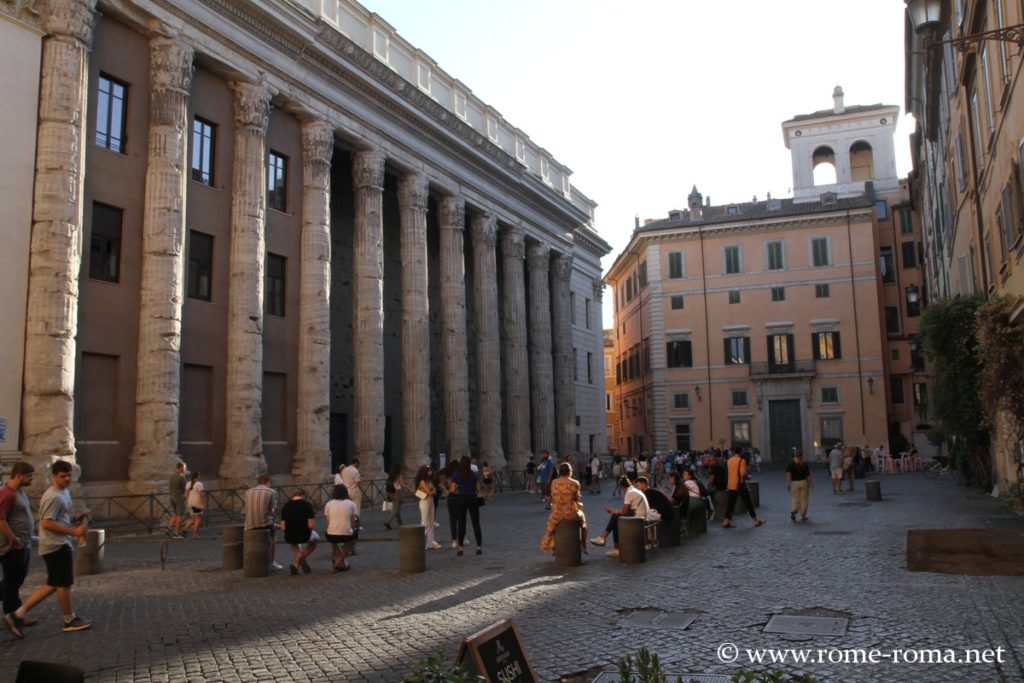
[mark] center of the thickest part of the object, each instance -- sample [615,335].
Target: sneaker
[792,516]
[169,532]
[614,552]
[14,625]
[455,544]
[306,569]
[598,541]
[433,546]
[77,624]
[293,569]
[276,567]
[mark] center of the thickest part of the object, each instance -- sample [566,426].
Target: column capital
[74,18]
[484,228]
[513,242]
[317,140]
[252,105]
[368,169]
[562,267]
[413,191]
[170,65]
[598,284]
[538,256]
[453,212]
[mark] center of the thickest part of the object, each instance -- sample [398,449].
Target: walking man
[798,483]
[737,488]
[176,492]
[297,518]
[260,506]
[15,535]
[55,532]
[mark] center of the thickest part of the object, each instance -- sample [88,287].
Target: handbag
[386,506]
[481,501]
[421,495]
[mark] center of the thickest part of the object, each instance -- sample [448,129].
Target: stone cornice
[27,12]
[585,238]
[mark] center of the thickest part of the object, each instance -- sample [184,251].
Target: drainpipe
[856,324]
[707,336]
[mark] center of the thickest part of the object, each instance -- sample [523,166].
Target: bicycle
[937,467]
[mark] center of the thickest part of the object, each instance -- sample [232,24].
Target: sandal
[759,522]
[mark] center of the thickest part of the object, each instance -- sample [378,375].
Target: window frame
[676,265]
[827,399]
[102,244]
[778,294]
[736,350]
[105,138]
[827,241]
[679,353]
[732,250]
[822,290]
[275,286]
[194,272]
[826,345]
[204,151]
[781,256]
[277,181]
[674,299]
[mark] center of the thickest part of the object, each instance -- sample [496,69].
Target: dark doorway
[339,440]
[784,428]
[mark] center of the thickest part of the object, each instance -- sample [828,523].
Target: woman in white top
[342,519]
[337,475]
[195,494]
[425,491]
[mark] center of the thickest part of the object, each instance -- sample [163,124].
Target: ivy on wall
[1001,352]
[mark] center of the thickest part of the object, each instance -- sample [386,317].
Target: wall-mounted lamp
[696,390]
[871,385]
[926,15]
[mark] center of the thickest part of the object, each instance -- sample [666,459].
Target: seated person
[660,507]
[696,490]
[634,504]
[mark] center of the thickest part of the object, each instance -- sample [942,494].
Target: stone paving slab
[193,622]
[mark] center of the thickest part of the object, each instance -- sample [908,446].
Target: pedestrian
[488,485]
[351,478]
[297,520]
[545,474]
[835,465]
[195,493]
[798,483]
[176,498]
[757,460]
[634,504]
[342,521]
[566,505]
[445,485]
[16,526]
[849,460]
[465,487]
[394,487]
[618,471]
[55,547]
[260,508]
[595,474]
[425,491]
[529,481]
[737,488]
[676,491]
[337,475]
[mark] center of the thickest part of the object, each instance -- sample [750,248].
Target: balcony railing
[794,369]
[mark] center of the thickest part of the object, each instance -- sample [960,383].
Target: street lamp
[696,390]
[871,385]
[926,16]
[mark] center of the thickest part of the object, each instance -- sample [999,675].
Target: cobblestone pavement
[193,622]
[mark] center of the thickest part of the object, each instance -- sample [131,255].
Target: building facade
[968,99]
[274,236]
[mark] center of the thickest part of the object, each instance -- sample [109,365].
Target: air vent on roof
[829,199]
[774,204]
[674,215]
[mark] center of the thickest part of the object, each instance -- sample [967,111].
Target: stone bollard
[256,553]
[669,532]
[90,555]
[232,546]
[696,518]
[873,488]
[755,493]
[568,551]
[412,552]
[721,500]
[632,544]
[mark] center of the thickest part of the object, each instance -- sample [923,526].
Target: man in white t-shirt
[634,504]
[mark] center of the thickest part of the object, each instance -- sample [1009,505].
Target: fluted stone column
[488,351]
[517,355]
[243,450]
[368,317]
[542,404]
[56,250]
[412,202]
[313,449]
[565,381]
[158,384]
[453,327]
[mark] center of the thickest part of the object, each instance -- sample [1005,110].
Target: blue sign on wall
[3,430]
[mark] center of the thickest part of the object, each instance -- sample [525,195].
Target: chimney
[837,100]
[636,220]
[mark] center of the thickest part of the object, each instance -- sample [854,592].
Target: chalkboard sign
[497,654]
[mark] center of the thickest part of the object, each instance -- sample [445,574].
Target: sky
[647,98]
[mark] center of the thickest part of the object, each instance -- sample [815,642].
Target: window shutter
[835,345]
[815,351]
[746,349]
[687,355]
[725,344]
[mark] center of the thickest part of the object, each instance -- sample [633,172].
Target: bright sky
[644,99]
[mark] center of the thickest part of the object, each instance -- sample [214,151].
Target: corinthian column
[412,202]
[542,405]
[453,332]
[517,358]
[158,385]
[565,381]
[488,351]
[312,452]
[368,319]
[243,450]
[51,322]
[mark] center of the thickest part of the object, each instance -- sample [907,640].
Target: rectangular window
[677,302]
[679,354]
[586,312]
[732,260]
[642,274]
[200,265]
[961,168]
[913,301]
[608,402]
[737,350]
[987,81]
[572,307]
[590,367]
[920,394]
[821,291]
[575,365]
[830,394]
[820,255]
[741,433]
[1003,220]
[739,398]
[909,254]
[973,99]
[778,293]
[277,176]
[882,209]
[887,263]
[780,352]
[906,222]
[111,113]
[826,346]
[831,431]
[683,437]
[776,259]
[105,243]
[204,138]
[892,319]
[896,390]
[274,299]
[675,265]
[681,401]
[734,296]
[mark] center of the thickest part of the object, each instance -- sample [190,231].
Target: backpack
[703,489]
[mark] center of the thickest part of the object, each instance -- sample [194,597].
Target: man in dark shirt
[297,518]
[798,482]
[656,499]
[718,478]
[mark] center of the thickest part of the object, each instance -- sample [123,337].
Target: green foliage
[770,677]
[647,669]
[1001,350]
[434,670]
[950,341]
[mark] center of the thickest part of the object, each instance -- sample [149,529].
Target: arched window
[824,165]
[862,165]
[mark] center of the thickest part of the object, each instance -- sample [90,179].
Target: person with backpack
[695,489]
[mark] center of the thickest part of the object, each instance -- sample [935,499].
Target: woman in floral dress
[566,504]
